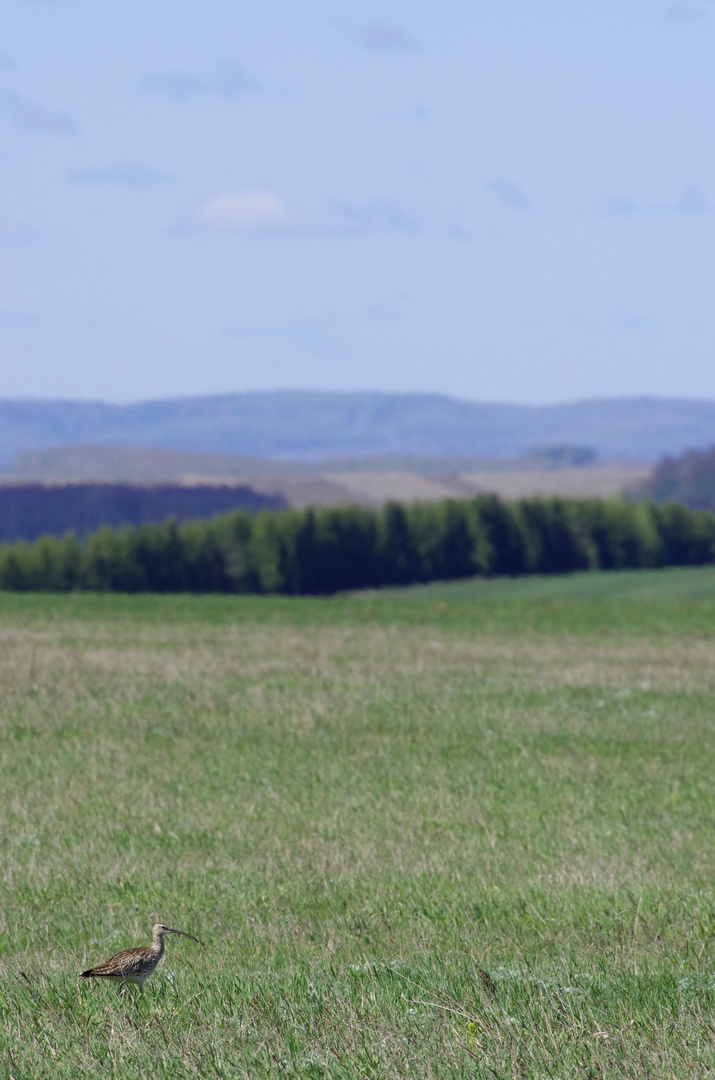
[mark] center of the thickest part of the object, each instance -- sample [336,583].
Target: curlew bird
[135,965]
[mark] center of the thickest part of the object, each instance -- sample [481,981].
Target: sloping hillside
[366,488]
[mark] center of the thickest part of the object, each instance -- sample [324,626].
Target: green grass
[358,804]
[684,596]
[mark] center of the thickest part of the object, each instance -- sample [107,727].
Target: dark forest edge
[320,552]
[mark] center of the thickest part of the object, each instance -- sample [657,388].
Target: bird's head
[161,928]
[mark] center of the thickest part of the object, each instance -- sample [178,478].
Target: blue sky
[504,200]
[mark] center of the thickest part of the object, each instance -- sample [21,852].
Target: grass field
[359,804]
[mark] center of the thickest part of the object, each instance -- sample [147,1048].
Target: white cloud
[264,212]
[257,210]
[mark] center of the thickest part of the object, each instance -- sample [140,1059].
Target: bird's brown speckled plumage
[135,965]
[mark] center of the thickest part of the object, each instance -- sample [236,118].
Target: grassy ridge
[358,804]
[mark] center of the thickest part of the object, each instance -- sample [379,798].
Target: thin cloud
[390,217]
[6,61]
[692,201]
[227,80]
[28,116]
[509,194]
[384,37]
[134,176]
[230,80]
[264,212]
[378,216]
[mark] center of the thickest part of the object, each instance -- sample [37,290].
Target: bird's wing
[126,962]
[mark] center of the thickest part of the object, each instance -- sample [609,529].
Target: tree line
[324,551]
[689,479]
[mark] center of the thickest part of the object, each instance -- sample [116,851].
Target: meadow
[453,830]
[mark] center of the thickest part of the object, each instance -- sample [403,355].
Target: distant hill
[307,426]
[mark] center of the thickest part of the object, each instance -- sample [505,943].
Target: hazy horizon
[507,203]
[122,402]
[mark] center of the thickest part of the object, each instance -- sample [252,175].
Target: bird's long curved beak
[184,934]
